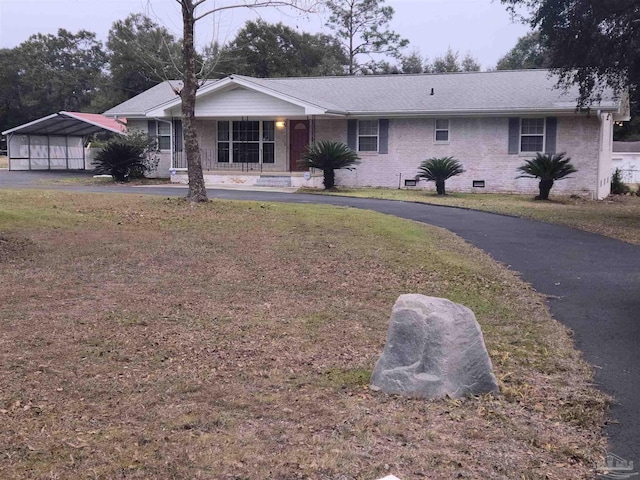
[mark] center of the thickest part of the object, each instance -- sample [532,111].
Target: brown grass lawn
[616,217]
[4,161]
[146,338]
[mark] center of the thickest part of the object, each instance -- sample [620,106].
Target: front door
[299,135]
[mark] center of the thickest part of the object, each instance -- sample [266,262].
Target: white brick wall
[480,144]
[165,157]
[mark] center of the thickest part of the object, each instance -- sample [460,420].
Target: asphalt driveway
[593,282]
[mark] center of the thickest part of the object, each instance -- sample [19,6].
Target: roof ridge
[394,75]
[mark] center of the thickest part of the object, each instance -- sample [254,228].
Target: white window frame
[261,141]
[436,130]
[543,135]
[164,135]
[376,136]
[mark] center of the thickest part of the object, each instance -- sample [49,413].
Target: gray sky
[482,27]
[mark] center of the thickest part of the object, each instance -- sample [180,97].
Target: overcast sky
[481,27]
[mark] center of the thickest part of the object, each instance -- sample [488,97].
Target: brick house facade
[250,129]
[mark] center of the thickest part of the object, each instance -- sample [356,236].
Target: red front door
[299,135]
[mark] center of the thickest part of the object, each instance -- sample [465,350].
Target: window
[163,133]
[367,135]
[223,142]
[245,141]
[442,130]
[532,132]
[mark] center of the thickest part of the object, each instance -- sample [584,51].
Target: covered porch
[248,133]
[253,152]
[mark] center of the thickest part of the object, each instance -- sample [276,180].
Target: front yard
[146,338]
[616,217]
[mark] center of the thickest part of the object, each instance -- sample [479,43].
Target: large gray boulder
[434,349]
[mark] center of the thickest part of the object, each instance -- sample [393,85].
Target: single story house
[253,130]
[57,141]
[626,158]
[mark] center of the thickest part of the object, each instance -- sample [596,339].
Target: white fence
[629,165]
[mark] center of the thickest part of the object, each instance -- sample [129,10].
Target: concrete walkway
[593,283]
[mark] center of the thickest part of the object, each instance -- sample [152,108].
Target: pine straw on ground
[147,338]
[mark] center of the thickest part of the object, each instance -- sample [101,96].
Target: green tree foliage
[11,111]
[548,168]
[141,54]
[527,53]
[49,73]
[591,43]
[412,63]
[261,49]
[450,62]
[329,156]
[439,170]
[363,28]
[470,63]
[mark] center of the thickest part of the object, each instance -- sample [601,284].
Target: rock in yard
[434,349]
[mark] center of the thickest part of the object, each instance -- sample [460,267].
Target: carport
[56,142]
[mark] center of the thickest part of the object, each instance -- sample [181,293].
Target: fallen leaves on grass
[148,338]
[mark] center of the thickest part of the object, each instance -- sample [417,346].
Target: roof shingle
[482,92]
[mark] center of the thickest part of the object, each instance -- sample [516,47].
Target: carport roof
[69,123]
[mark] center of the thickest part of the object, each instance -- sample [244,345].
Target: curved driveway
[593,283]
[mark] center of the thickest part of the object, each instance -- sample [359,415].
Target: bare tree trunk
[197,190]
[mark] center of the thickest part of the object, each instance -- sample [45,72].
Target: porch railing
[210,162]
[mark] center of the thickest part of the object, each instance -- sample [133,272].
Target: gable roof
[497,92]
[69,123]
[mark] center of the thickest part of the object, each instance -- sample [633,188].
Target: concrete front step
[273,181]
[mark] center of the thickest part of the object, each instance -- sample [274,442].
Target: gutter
[468,113]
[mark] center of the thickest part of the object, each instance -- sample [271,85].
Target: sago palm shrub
[329,156]
[439,170]
[126,157]
[548,168]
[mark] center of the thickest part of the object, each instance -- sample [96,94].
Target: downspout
[600,147]
[605,128]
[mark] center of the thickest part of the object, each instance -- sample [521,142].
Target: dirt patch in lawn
[148,338]
[14,248]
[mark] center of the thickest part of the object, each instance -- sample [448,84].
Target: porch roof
[499,92]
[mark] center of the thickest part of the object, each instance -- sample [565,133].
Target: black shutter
[151,128]
[383,125]
[514,136]
[177,135]
[552,134]
[352,134]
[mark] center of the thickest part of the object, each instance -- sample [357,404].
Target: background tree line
[77,72]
